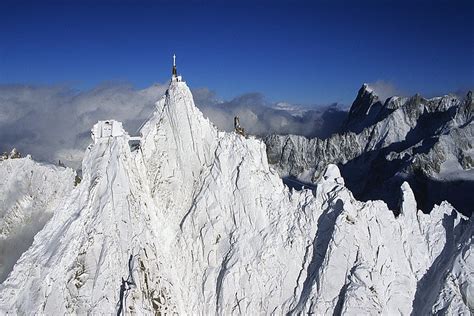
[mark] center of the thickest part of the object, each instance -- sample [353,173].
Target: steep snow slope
[425,142]
[29,191]
[196,222]
[178,144]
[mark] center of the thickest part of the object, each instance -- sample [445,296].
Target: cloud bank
[53,123]
[260,117]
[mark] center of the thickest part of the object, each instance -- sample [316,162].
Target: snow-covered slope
[196,222]
[427,142]
[29,192]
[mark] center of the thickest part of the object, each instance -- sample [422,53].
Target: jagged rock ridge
[427,142]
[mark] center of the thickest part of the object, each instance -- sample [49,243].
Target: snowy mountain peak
[364,109]
[408,202]
[195,221]
[367,89]
[177,142]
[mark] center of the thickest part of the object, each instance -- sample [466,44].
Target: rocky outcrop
[364,110]
[13,154]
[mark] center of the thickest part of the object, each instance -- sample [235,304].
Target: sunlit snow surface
[196,222]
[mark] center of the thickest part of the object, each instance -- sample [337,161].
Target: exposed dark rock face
[364,110]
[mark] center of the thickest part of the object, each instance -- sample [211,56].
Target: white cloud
[385,89]
[260,117]
[53,122]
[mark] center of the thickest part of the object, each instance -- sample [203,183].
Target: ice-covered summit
[195,221]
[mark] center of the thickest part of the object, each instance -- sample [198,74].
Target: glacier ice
[195,221]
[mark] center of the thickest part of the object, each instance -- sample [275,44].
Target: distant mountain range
[426,142]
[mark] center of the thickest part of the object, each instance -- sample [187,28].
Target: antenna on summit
[175,77]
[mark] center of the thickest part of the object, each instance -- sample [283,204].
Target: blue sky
[295,51]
